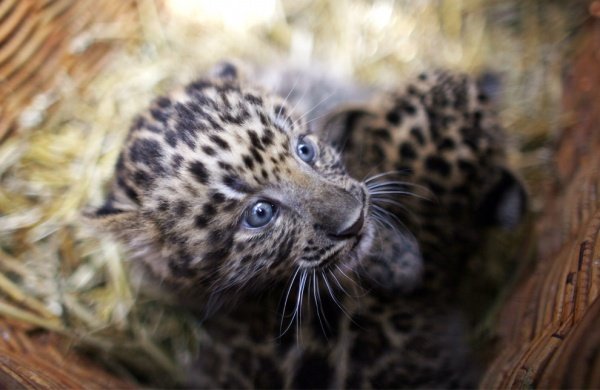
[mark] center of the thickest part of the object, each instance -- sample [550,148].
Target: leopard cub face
[222,185]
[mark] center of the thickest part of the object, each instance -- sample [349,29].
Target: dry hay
[58,274]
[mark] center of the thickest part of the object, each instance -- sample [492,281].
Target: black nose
[350,231]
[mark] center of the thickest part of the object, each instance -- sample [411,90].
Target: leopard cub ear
[338,126]
[505,203]
[229,70]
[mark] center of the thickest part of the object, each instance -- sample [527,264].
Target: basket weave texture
[45,361]
[549,326]
[43,45]
[47,42]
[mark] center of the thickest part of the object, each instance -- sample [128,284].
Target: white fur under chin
[406,267]
[364,247]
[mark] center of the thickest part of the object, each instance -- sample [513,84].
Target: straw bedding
[58,274]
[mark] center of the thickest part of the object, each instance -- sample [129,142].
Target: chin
[366,241]
[360,249]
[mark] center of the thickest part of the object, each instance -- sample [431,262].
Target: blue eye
[306,150]
[260,214]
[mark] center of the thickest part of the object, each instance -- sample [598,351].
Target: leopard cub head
[221,185]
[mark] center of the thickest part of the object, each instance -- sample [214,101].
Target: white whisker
[317,118]
[391,192]
[371,183]
[379,175]
[333,297]
[394,217]
[287,296]
[314,107]
[287,96]
[294,318]
[318,307]
[353,282]
[377,202]
[300,100]
[335,279]
[299,307]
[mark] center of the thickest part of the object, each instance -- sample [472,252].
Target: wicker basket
[42,360]
[548,326]
[44,43]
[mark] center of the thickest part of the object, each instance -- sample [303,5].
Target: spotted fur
[439,135]
[197,159]
[331,292]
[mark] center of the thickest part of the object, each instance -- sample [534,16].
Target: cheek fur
[265,253]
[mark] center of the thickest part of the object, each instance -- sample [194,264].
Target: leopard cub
[225,194]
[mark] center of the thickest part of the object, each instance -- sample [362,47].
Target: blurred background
[74,73]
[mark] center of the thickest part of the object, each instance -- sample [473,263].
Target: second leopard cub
[226,194]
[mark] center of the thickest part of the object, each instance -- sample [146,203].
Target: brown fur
[197,160]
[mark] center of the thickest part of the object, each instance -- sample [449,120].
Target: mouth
[351,243]
[343,253]
[330,259]
[356,243]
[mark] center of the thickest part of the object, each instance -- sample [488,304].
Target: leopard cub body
[333,246]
